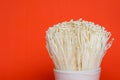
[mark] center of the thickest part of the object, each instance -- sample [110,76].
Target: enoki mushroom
[77,45]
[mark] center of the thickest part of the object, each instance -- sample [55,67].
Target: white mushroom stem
[77,45]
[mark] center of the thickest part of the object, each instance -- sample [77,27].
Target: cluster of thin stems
[77,45]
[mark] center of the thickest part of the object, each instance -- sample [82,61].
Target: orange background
[23,23]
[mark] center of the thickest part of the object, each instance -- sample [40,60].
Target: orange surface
[23,23]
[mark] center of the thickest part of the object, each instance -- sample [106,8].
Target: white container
[77,75]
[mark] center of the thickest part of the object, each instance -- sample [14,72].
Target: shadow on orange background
[23,23]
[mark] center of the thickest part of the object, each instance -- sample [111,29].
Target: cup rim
[86,71]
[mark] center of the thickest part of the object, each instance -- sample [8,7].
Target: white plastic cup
[77,75]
